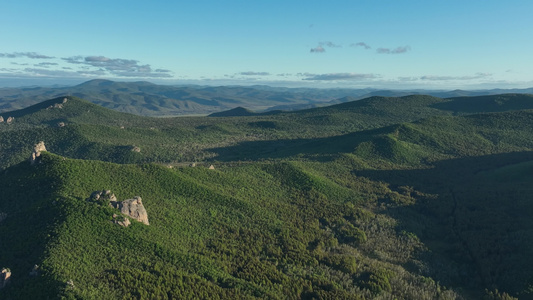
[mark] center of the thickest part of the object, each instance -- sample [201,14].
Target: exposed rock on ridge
[133,208]
[36,155]
[5,277]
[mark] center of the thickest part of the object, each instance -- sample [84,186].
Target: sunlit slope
[266,230]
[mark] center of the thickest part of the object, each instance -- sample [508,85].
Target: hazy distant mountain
[145,98]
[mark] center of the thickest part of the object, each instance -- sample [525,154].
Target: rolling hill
[144,98]
[413,197]
[148,99]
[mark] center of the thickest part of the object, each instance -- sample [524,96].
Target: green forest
[414,197]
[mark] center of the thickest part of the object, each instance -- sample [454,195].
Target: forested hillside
[415,197]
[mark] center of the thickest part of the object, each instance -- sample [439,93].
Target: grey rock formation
[103,195]
[61,124]
[5,277]
[10,120]
[36,154]
[65,100]
[121,220]
[133,208]
[1,119]
[57,105]
[70,284]
[136,149]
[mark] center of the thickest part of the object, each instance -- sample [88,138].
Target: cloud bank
[118,66]
[32,55]
[446,78]
[339,76]
[361,44]
[320,48]
[250,73]
[397,50]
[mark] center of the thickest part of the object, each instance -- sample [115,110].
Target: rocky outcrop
[34,271]
[133,208]
[103,196]
[1,119]
[10,120]
[65,100]
[136,149]
[36,155]
[121,220]
[70,284]
[57,105]
[5,277]
[61,124]
[211,167]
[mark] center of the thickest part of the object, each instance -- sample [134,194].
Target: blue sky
[358,44]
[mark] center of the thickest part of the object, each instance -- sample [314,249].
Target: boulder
[70,284]
[57,105]
[35,270]
[65,100]
[10,120]
[102,195]
[136,149]
[1,119]
[5,277]
[124,222]
[211,167]
[61,124]
[36,154]
[133,208]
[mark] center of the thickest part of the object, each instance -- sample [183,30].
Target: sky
[396,44]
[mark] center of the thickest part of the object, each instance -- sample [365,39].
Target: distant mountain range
[148,99]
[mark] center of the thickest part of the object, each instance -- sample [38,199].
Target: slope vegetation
[410,198]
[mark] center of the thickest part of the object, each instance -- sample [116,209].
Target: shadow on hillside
[490,103]
[32,214]
[319,149]
[477,226]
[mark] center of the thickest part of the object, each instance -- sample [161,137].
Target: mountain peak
[96,82]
